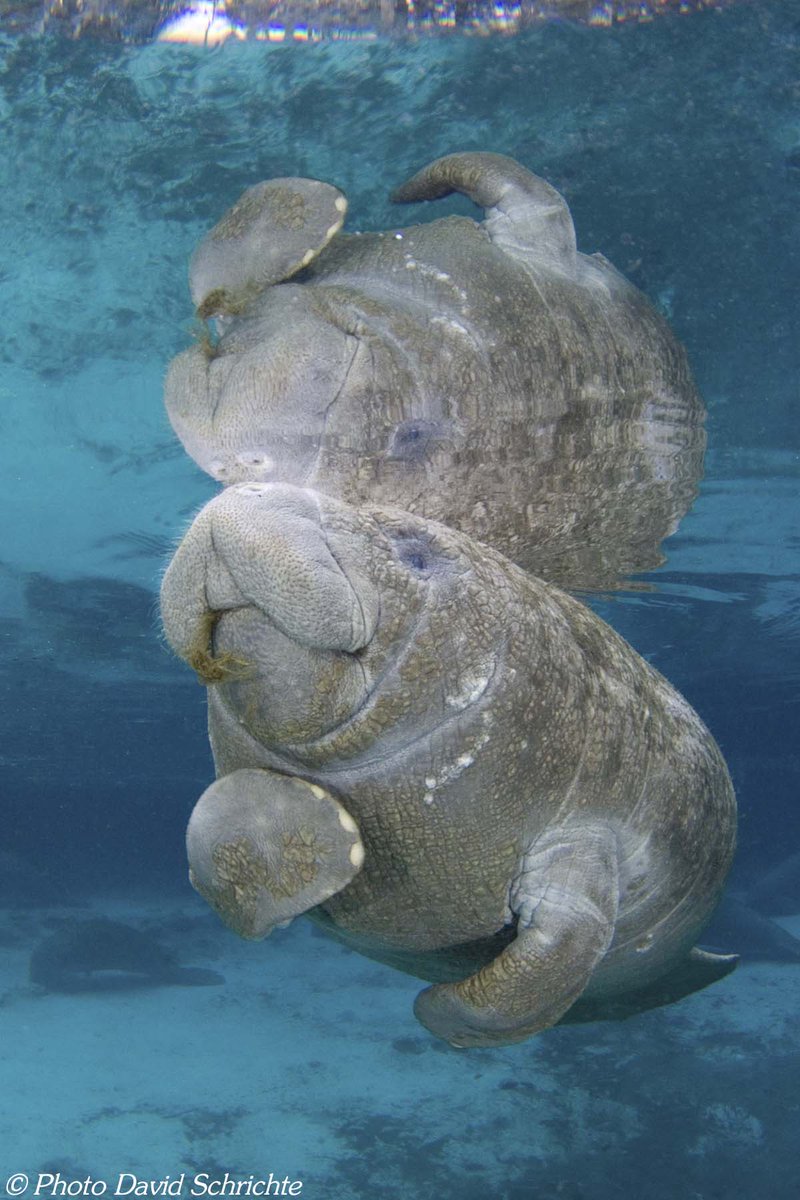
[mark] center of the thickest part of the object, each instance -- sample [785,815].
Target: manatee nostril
[255,460]
[256,489]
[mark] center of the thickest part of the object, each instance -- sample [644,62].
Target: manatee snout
[265,547]
[265,457]
[255,404]
[266,602]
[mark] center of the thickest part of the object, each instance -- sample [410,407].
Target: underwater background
[676,143]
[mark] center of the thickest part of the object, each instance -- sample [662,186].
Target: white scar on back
[472,685]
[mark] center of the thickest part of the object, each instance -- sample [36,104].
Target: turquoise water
[677,145]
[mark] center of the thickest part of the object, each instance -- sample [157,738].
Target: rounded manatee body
[486,375]
[534,819]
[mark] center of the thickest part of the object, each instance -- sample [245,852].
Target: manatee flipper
[698,970]
[265,847]
[565,898]
[525,216]
[273,230]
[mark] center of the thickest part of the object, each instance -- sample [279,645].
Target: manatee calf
[484,374]
[101,955]
[454,767]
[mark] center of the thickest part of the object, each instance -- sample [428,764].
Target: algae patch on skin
[211,668]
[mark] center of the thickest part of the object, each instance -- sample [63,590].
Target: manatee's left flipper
[524,215]
[565,899]
[273,230]
[265,847]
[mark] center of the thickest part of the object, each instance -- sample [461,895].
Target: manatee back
[553,414]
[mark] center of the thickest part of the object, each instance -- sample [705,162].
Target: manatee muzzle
[266,546]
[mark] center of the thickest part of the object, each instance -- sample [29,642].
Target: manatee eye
[412,439]
[255,460]
[416,552]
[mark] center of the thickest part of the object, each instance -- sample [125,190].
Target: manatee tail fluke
[524,215]
[699,969]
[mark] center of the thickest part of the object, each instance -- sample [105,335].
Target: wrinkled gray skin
[482,374]
[539,824]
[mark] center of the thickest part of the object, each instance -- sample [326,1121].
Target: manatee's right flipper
[525,216]
[565,898]
[265,847]
[273,230]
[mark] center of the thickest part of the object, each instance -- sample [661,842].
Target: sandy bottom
[307,1063]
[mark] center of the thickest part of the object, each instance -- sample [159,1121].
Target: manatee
[100,955]
[497,794]
[483,374]
[754,937]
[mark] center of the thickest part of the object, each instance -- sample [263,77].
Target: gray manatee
[486,375]
[452,766]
